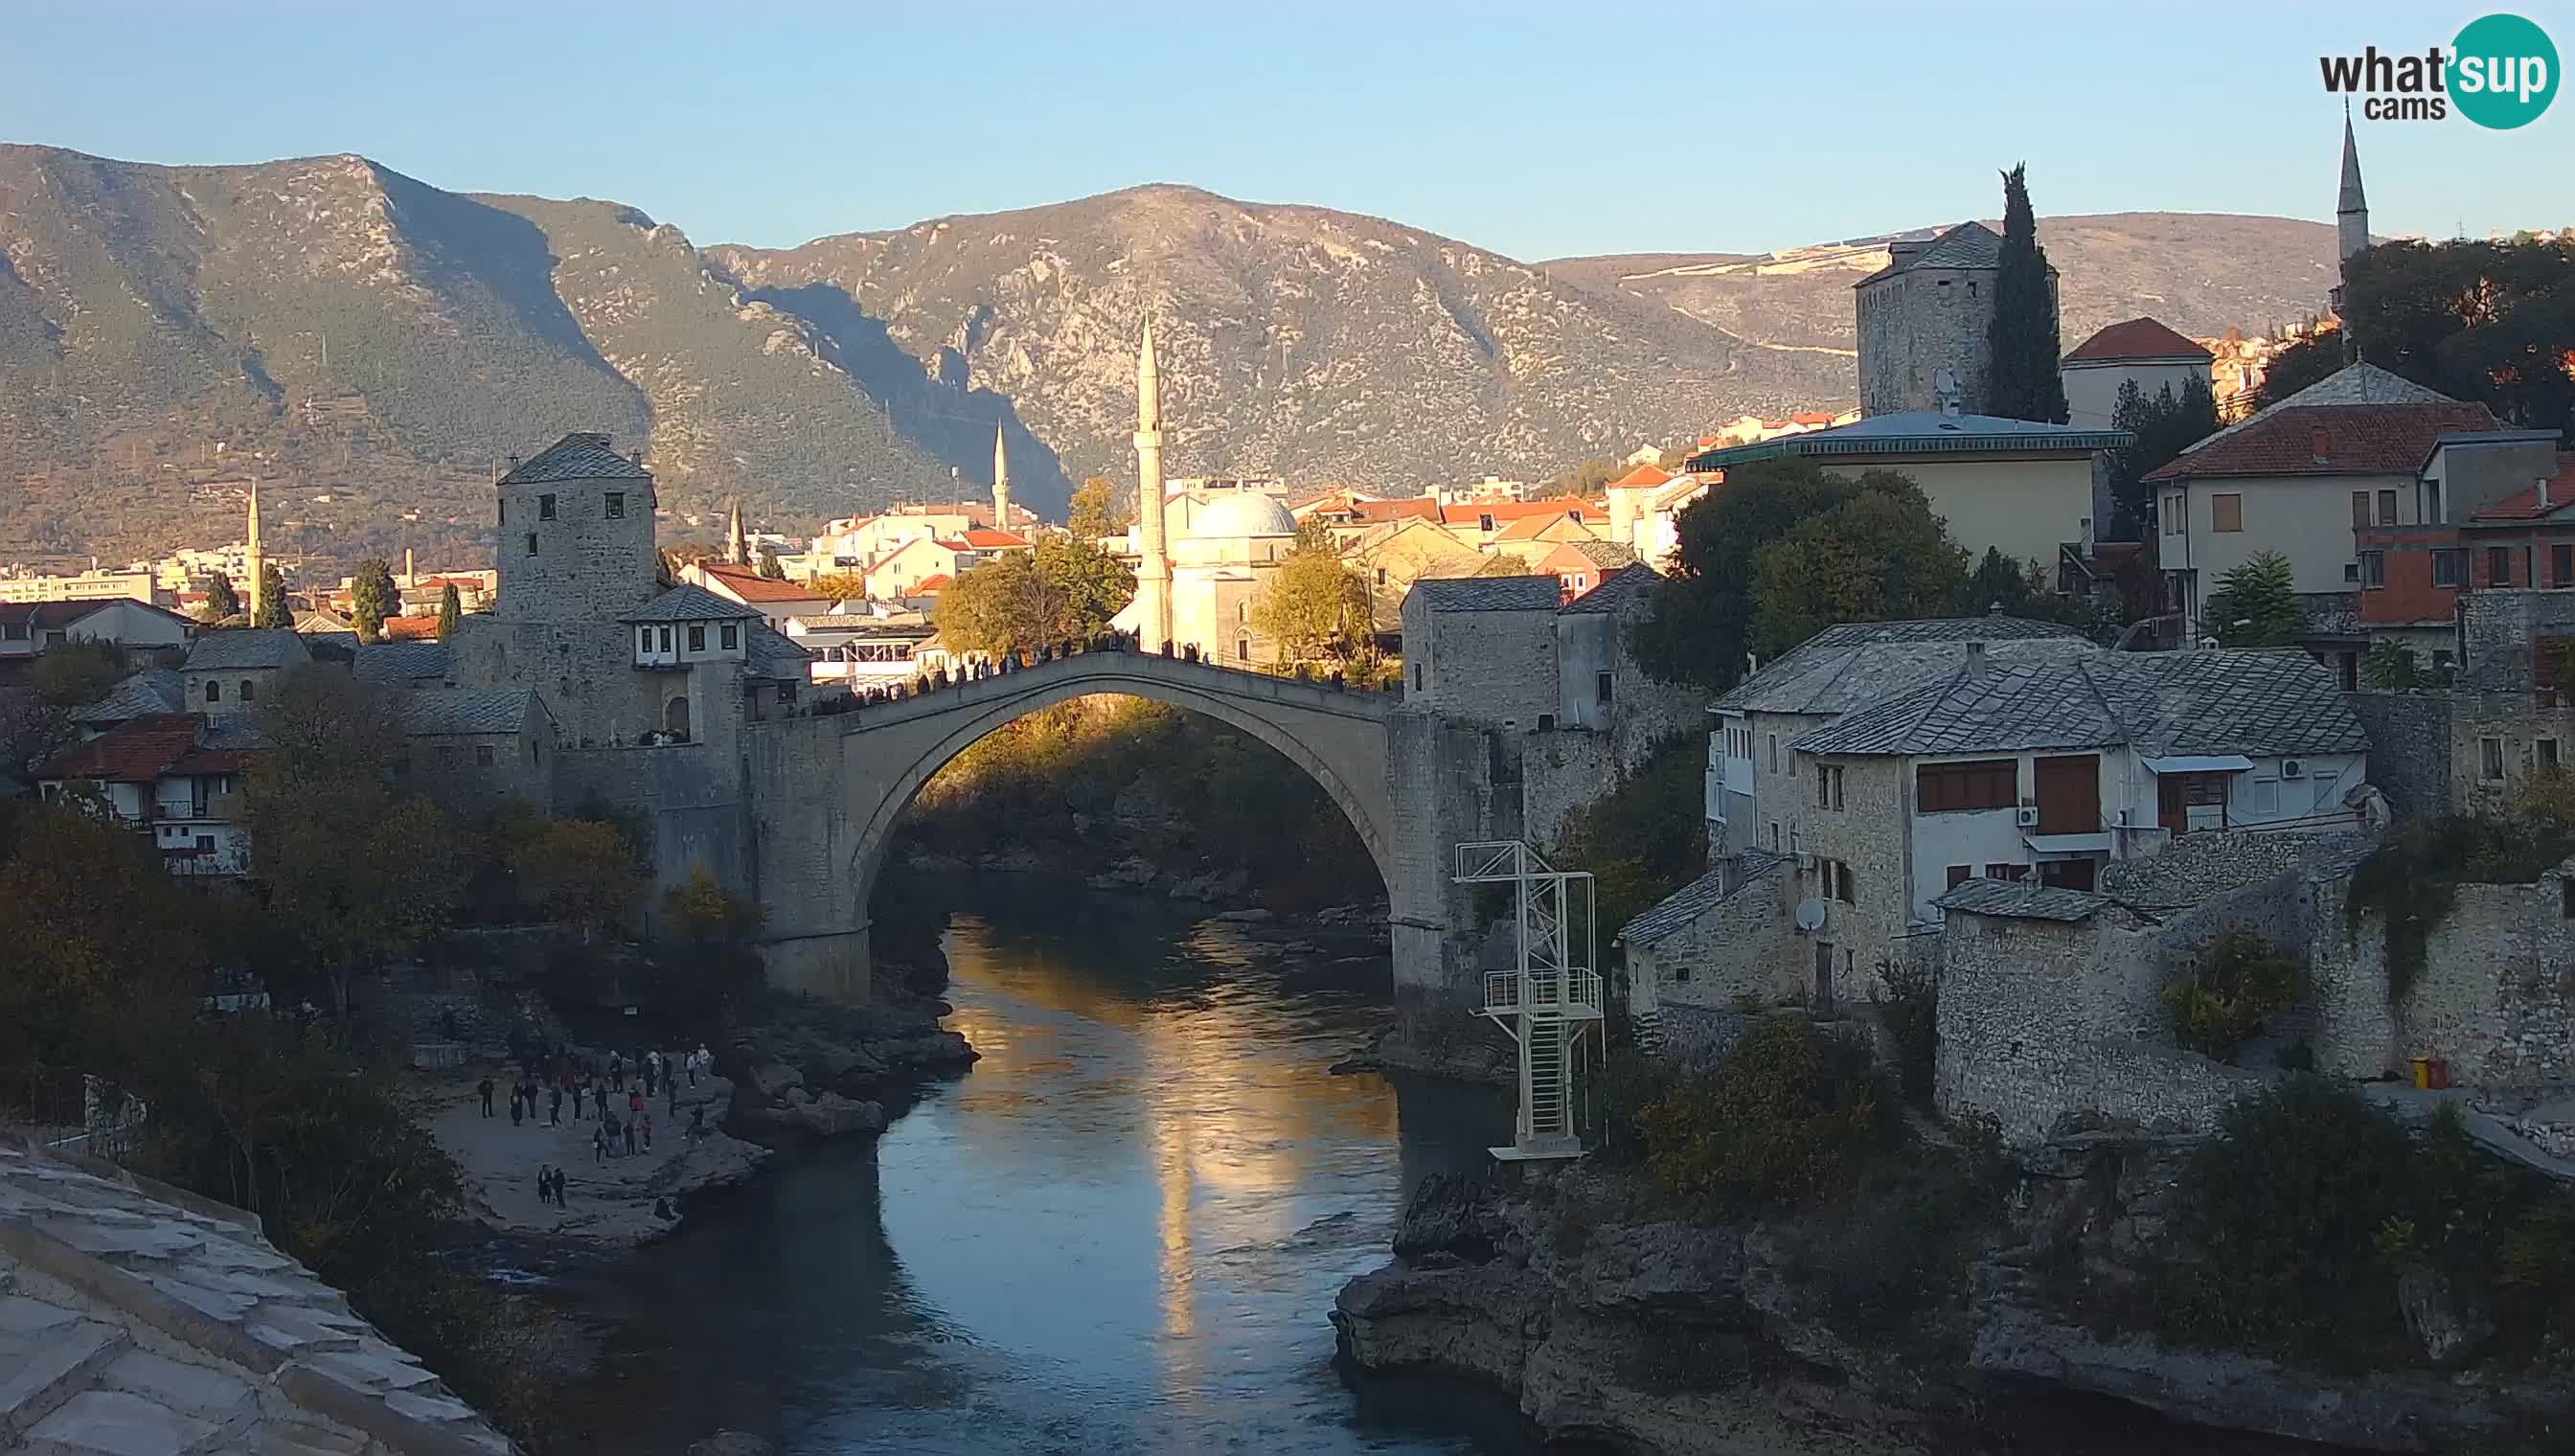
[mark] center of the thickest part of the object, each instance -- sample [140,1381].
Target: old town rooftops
[2334,399]
[2134,341]
[1490,594]
[580,456]
[689,601]
[2259,703]
[1630,584]
[246,647]
[1969,244]
[469,710]
[2023,901]
[1851,665]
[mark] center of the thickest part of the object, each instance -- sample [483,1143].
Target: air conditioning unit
[2026,817]
[2293,768]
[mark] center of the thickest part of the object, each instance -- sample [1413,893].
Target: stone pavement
[140,1320]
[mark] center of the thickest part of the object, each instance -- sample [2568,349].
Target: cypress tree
[449,609]
[2022,382]
[273,607]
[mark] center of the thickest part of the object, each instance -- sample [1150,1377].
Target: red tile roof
[995,540]
[1409,507]
[2329,440]
[1533,528]
[928,586]
[1501,511]
[2523,505]
[410,629]
[1812,417]
[136,750]
[2135,339]
[1644,475]
[747,584]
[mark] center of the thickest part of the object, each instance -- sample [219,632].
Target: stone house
[1579,566]
[471,748]
[1391,555]
[225,670]
[775,602]
[2492,510]
[1924,321]
[2140,351]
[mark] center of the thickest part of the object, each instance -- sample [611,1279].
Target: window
[1243,649]
[1958,875]
[483,756]
[2431,502]
[2490,759]
[2351,570]
[1829,786]
[643,639]
[447,755]
[214,690]
[1242,610]
[730,636]
[2373,569]
[1546,723]
[2387,508]
[2561,566]
[1484,521]
[1417,677]
[2003,871]
[2449,567]
[249,691]
[1774,836]
[1603,685]
[2442,660]
[545,508]
[1839,882]
[1775,752]
[616,504]
[2498,566]
[2263,796]
[666,638]
[2226,513]
[1984,783]
[787,692]
[2360,509]
[503,516]
[532,542]
[1381,576]
[2544,752]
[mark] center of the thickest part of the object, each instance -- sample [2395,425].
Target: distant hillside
[368,344]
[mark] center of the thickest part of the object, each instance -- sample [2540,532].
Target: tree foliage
[1314,606]
[1881,555]
[581,870]
[1644,840]
[372,597]
[1094,511]
[2238,987]
[1701,627]
[2487,320]
[2165,426]
[2024,383]
[273,609]
[2309,361]
[1784,1115]
[2256,603]
[221,599]
[78,671]
[770,566]
[1066,589]
[1585,480]
[450,608]
[2390,667]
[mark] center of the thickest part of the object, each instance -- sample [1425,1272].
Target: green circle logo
[2503,72]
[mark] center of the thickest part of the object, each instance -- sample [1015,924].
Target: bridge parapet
[1111,668]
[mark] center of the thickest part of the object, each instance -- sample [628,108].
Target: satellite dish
[1810,917]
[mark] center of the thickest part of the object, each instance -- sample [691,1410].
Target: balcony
[1579,999]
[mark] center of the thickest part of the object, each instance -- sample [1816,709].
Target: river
[1118,1233]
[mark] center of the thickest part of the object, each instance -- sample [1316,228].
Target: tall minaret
[2351,227]
[1001,481]
[737,546]
[1153,571]
[253,562]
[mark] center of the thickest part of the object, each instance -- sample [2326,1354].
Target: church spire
[737,547]
[254,565]
[1000,478]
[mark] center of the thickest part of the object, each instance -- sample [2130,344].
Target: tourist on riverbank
[485,1087]
[545,1185]
[647,1132]
[515,1104]
[702,1060]
[553,1111]
[577,1089]
[630,1137]
[598,1144]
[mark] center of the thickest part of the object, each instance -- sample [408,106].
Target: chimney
[2322,443]
[2543,493]
[1976,660]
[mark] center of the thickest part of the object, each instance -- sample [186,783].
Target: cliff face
[1698,1339]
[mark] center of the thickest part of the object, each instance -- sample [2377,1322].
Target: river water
[1120,1231]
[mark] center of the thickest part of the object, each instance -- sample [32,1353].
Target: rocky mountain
[368,344]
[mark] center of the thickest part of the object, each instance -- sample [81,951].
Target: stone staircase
[136,1320]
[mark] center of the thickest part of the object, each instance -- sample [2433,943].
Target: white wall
[2304,517]
[2092,390]
[2027,505]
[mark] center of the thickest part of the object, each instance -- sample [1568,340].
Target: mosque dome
[1241,514]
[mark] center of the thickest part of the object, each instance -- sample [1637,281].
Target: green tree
[2256,603]
[1314,607]
[354,870]
[1094,512]
[2023,384]
[273,607]
[372,597]
[78,671]
[1068,589]
[221,599]
[2390,667]
[1879,557]
[2491,321]
[1701,627]
[2000,585]
[2309,361]
[770,566]
[2165,426]
[580,870]
[1583,481]
[450,607]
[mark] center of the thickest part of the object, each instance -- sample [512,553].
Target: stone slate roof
[1855,663]
[580,456]
[1604,553]
[689,601]
[1969,244]
[2256,704]
[247,646]
[138,1318]
[1919,431]
[1490,594]
[1629,585]
[2136,339]
[440,712]
[773,654]
[1694,900]
[151,691]
[405,662]
[2023,901]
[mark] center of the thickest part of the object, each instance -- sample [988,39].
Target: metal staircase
[1550,1002]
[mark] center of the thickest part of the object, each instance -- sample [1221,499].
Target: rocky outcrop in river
[815,1068]
[1652,1334]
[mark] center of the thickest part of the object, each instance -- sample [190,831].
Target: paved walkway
[2415,1104]
[138,1320]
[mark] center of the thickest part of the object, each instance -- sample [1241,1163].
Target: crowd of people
[614,1093]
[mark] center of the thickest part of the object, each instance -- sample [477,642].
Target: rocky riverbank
[1614,1321]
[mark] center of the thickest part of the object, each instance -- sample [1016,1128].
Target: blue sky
[1538,132]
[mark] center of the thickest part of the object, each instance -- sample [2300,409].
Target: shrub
[1912,1011]
[2241,985]
[1788,1112]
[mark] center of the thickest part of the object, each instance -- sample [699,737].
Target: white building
[169,775]
[2141,350]
[90,586]
[29,629]
[1220,566]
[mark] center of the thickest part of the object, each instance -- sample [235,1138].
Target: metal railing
[1579,997]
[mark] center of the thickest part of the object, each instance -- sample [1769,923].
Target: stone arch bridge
[822,793]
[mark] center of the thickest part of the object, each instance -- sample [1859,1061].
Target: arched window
[249,691]
[1243,649]
[214,690]
[675,717]
[1242,610]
